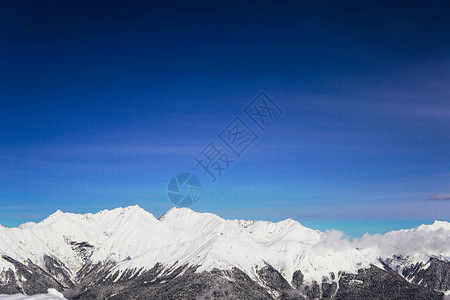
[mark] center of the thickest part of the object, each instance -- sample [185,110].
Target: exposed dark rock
[29,279]
[206,285]
[103,281]
[297,279]
[58,271]
[375,283]
[8,284]
[313,291]
[273,279]
[328,290]
[436,276]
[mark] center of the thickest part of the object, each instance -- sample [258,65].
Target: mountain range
[127,253]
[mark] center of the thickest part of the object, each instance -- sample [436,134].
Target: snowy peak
[104,217]
[186,215]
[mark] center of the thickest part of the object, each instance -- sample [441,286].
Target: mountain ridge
[123,243]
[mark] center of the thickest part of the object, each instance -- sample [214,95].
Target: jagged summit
[177,211]
[186,214]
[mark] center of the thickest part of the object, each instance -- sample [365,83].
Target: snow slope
[52,295]
[134,239]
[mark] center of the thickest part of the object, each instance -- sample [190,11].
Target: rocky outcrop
[99,281]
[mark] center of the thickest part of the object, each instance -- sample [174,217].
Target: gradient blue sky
[102,103]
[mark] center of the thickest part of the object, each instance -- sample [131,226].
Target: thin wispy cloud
[439,197]
[417,111]
[116,149]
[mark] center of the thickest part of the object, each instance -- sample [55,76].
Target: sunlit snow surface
[52,295]
[134,239]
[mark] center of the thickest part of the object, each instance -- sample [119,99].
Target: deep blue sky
[102,103]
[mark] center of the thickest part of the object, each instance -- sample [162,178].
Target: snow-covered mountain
[127,253]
